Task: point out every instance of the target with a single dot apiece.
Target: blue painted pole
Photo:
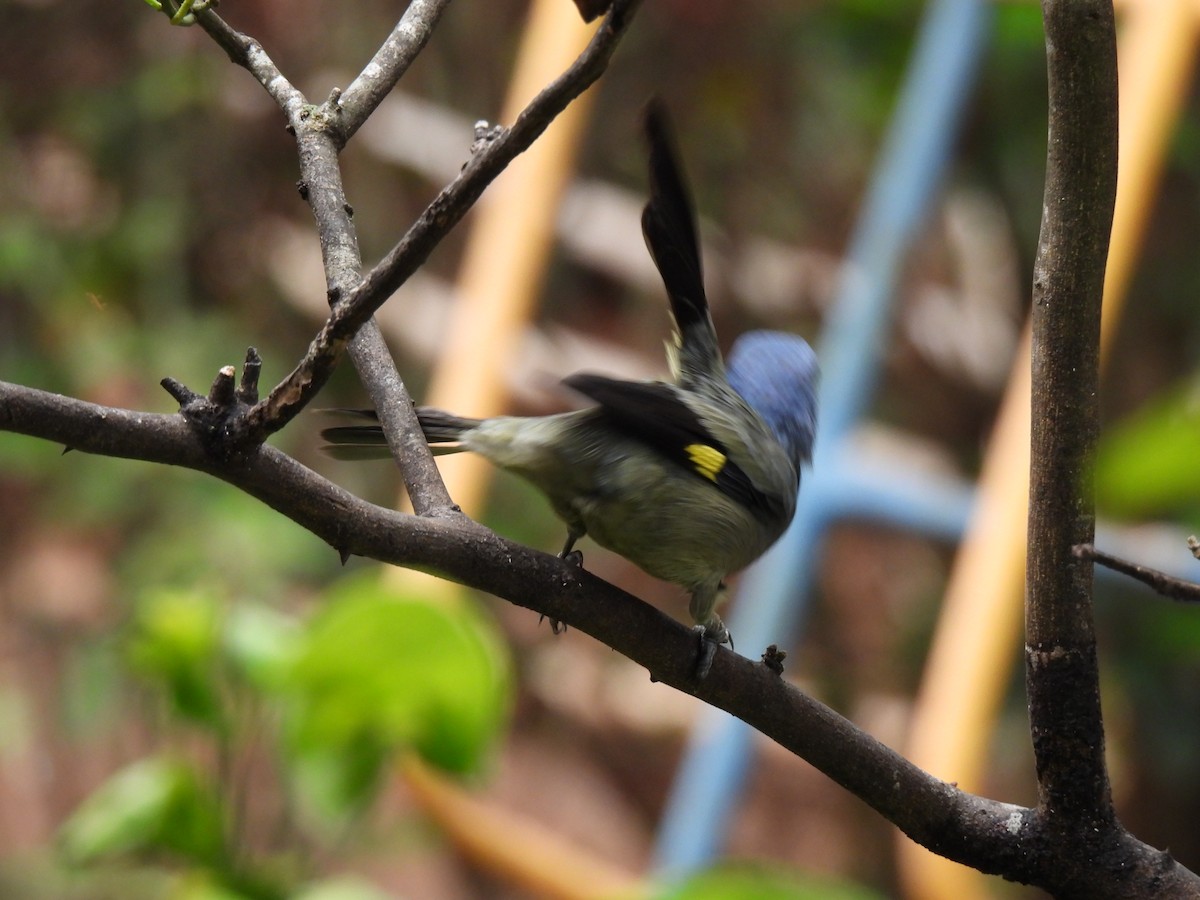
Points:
(949, 46)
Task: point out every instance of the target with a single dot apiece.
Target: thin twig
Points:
(320, 134)
(398, 418)
(1161, 582)
(389, 63)
(447, 209)
(249, 54)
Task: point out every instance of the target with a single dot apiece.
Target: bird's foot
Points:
(571, 558)
(709, 636)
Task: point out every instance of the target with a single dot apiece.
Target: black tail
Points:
(442, 427)
(358, 442)
(669, 226)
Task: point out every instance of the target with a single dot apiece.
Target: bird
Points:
(691, 479)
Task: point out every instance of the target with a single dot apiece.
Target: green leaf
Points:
(263, 644)
(338, 781)
(154, 804)
(174, 642)
(202, 886)
(341, 889)
(1144, 466)
(379, 671)
(736, 881)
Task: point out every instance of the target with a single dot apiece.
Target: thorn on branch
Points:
(591, 9)
(1160, 582)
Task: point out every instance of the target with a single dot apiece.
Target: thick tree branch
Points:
(933, 812)
(1081, 178)
(1088, 852)
(994, 837)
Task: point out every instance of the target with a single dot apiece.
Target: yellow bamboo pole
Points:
(542, 862)
(499, 283)
(976, 642)
(506, 257)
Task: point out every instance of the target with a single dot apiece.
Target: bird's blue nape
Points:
(776, 373)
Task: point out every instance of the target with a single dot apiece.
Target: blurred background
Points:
(198, 700)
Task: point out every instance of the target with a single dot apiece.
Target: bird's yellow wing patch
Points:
(707, 461)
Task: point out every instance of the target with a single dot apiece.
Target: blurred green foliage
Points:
(737, 881)
(1144, 462)
(376, 671)
(174, 643)
(154, 804)
(372, 674)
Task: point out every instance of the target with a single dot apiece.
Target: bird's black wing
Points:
(655, 414)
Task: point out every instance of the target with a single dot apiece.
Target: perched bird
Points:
(690, 480)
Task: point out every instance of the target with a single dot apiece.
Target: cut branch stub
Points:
(219, 418)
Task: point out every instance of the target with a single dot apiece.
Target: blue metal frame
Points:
(950, 43)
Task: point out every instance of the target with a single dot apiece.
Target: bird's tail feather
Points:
(669, 227)
(441, 427)
(359, 442)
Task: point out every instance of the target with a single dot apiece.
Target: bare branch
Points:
(249, 54)
(398, 418)
(933, 812)
(320, 134)
(351, 310)
(1081, 175)
(994, 837)
(1161, 582)
(390, 62)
